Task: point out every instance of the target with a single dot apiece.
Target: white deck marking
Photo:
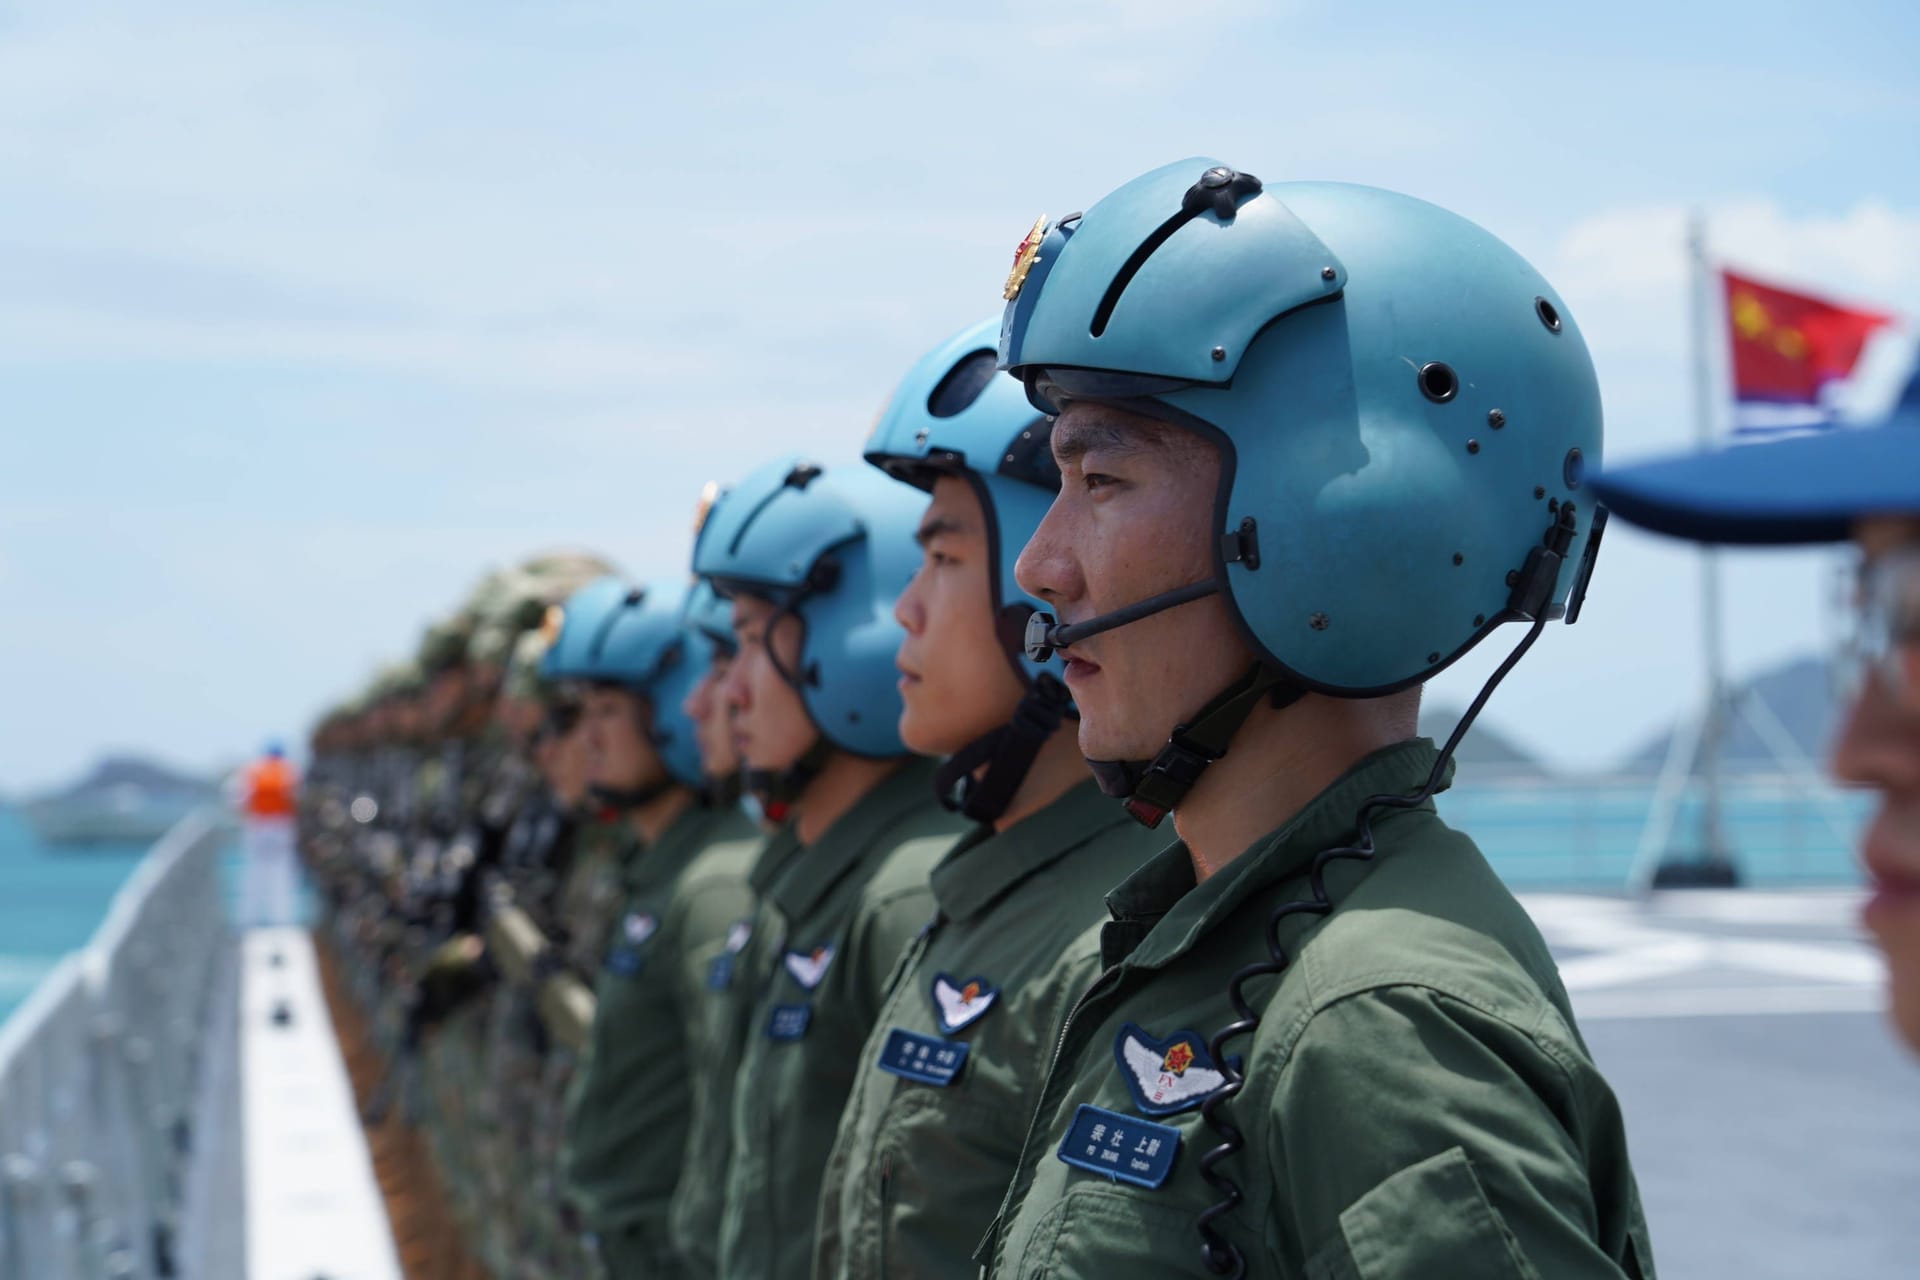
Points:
(1710, 1002)
(1636, 964)
(313, 1208)
(1653, 959)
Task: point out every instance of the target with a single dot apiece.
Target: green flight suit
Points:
(628, 1107)
(727, 1005)
(919, 1166)
(1418, 1101)
(823, 984)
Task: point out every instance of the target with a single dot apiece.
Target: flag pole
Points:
(1712, 862)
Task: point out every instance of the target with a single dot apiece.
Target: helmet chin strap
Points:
(723, 792)
(777, 789)
(1007, 752)
(627, 799)
(1154, 788)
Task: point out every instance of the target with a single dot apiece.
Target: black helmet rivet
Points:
(1473, 446)
(1513, 577)
(1319, 622)
(1479, 619)
(1539, 492)
(1575, 469)
(1328, 273)
(1438, 383)
(1433, 657)
(1549, 316)
(1458, 558)
(1217, 176)
(1219, 353)
(1496, 419)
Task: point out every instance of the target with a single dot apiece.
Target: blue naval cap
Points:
(1807, 489)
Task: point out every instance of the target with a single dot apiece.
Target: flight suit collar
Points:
(663, 860)
(814, 870)
(986, 864)
(1161, 911)
(779, 849)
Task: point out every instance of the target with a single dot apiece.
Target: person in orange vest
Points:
(270, 877)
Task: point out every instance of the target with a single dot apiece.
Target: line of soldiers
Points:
(820, 918)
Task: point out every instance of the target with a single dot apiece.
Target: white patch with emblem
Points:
(1165, 1076)
(807, 968)
(959, 1005)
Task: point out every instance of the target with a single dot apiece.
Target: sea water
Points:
(52, 900)
(1538, 835)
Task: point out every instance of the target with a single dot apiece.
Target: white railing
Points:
(97, 1076)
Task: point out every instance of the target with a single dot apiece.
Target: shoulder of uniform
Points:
(1432, 915)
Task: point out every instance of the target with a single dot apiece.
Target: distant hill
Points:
(121, 800)
(1484, 752)
(151, 776)
(1800, 695)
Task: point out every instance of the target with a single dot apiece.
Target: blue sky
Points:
(309, 313)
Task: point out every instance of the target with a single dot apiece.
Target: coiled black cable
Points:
(1220, 1255)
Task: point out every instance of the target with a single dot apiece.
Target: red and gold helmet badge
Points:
(703, 508)
(1023, 258)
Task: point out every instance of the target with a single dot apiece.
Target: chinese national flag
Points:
(1786, 346)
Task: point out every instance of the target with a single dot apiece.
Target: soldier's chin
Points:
(926, 733)
(1099, 741)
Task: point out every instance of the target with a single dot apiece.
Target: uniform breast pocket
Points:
(1431, 1220)
(1102, 1233)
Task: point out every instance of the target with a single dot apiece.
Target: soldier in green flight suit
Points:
(933, 1129)
(719, 882)
(1316, 441)
(813, 560)
(630, 1103)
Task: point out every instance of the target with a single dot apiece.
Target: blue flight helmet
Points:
(584, 619)
(834, 548)
(711, 614)
(648, 647)
(955, 415)
(1405, 413)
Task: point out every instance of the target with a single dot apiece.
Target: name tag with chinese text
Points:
(1122, 1147)
(921, 1059)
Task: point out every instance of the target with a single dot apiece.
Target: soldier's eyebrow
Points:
(936, 526)
(1074, 439)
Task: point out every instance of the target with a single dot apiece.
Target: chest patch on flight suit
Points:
(922, 1059)
(808, 968)
(960, 1004)
(1166, 1076)
(788, 1021)
(1124, 1148)
(720, 968)
(625, 957)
